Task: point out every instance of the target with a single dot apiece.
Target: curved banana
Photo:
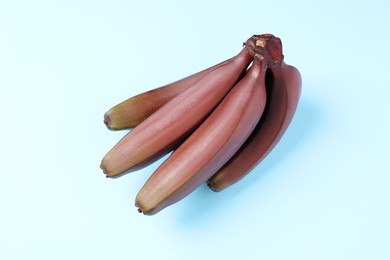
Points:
(161, 131)
(210, 146)
(282, 99)
(134, 110)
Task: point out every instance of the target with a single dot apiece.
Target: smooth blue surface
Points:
(323, 193)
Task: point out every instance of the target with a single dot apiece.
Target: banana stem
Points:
(267, 46)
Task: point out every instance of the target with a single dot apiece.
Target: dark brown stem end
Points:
(267, 46)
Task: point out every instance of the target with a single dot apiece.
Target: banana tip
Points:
(104, 169)
(141, 208)
(141, 211)
(107, 120)
(211, 185)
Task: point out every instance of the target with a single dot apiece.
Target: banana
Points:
(282, 99)
(134, 110)
(220, 122)
(210, 146)
(162, 130)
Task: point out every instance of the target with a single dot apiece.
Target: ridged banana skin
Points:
(282, 100)
(163, 129)
(210, 146)
(134, 110)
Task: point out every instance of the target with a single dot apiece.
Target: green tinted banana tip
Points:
(107, 120)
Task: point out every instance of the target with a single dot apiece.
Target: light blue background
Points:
(323, 193)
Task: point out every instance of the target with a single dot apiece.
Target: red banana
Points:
(134, 110)
(161, 131)
(282, 99)
(210, 146)
(220, 123)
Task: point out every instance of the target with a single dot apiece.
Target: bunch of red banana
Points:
(219, 123)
